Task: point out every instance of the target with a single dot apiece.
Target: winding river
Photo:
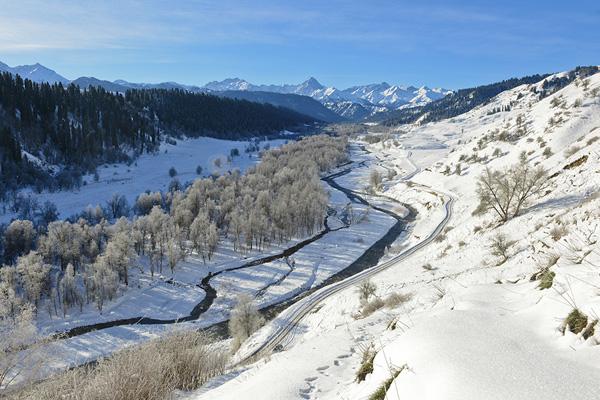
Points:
(368, 259)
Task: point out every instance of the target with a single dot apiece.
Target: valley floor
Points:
(169, 297)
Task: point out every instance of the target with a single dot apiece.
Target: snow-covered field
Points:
(151, 172)
(472, 329)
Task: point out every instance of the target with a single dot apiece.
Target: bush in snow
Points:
(365, 290)
(546, 278)
(366, 363)
(558, 232)
(17, 330)
(499, 246)
(370, 307)
(381, 392)
(375, 181)
(172, 172)
(395, 299)
(152, 371)
(577, 322)
(243, 321)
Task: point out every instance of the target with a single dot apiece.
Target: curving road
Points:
(288, 323)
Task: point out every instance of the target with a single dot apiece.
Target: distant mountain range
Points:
(350, 103)
(331, 105)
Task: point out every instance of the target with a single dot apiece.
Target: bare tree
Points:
(117, 206)
(19, 239)
(507, 192)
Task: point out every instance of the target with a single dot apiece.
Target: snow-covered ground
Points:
(174, 296)
(151, 172)
(472, 329)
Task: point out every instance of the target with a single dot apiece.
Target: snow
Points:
(173, 296)
(473, 330)
(151, 172)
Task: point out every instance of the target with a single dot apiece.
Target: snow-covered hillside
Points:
(473, 320)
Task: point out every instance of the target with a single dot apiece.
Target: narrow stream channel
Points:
(369, 258)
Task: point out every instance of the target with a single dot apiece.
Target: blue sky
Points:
(452, 44)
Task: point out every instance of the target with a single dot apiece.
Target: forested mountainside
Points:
(456, 103)
(50, 135)
(464, 100)
(302, 104)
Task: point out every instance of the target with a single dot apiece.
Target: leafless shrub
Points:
(395, 299)
(365, 290)
(558, 232)
(499, 246)
(428, 267)
(375, 181)
(440, 238)
(371, 306)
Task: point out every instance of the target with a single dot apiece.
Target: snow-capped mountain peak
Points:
(229, 84)
(37, 73)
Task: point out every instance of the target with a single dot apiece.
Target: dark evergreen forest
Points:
(79, 129)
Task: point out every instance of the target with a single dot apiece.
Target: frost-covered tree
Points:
(104, 282)
(119, 254)
(35, 276)
(244, 320)
(70, 294)
(146, 201)
(158, 223)
(62, 244)
(17, 330)
(204, 236)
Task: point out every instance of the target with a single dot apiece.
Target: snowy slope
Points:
(473, 329)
